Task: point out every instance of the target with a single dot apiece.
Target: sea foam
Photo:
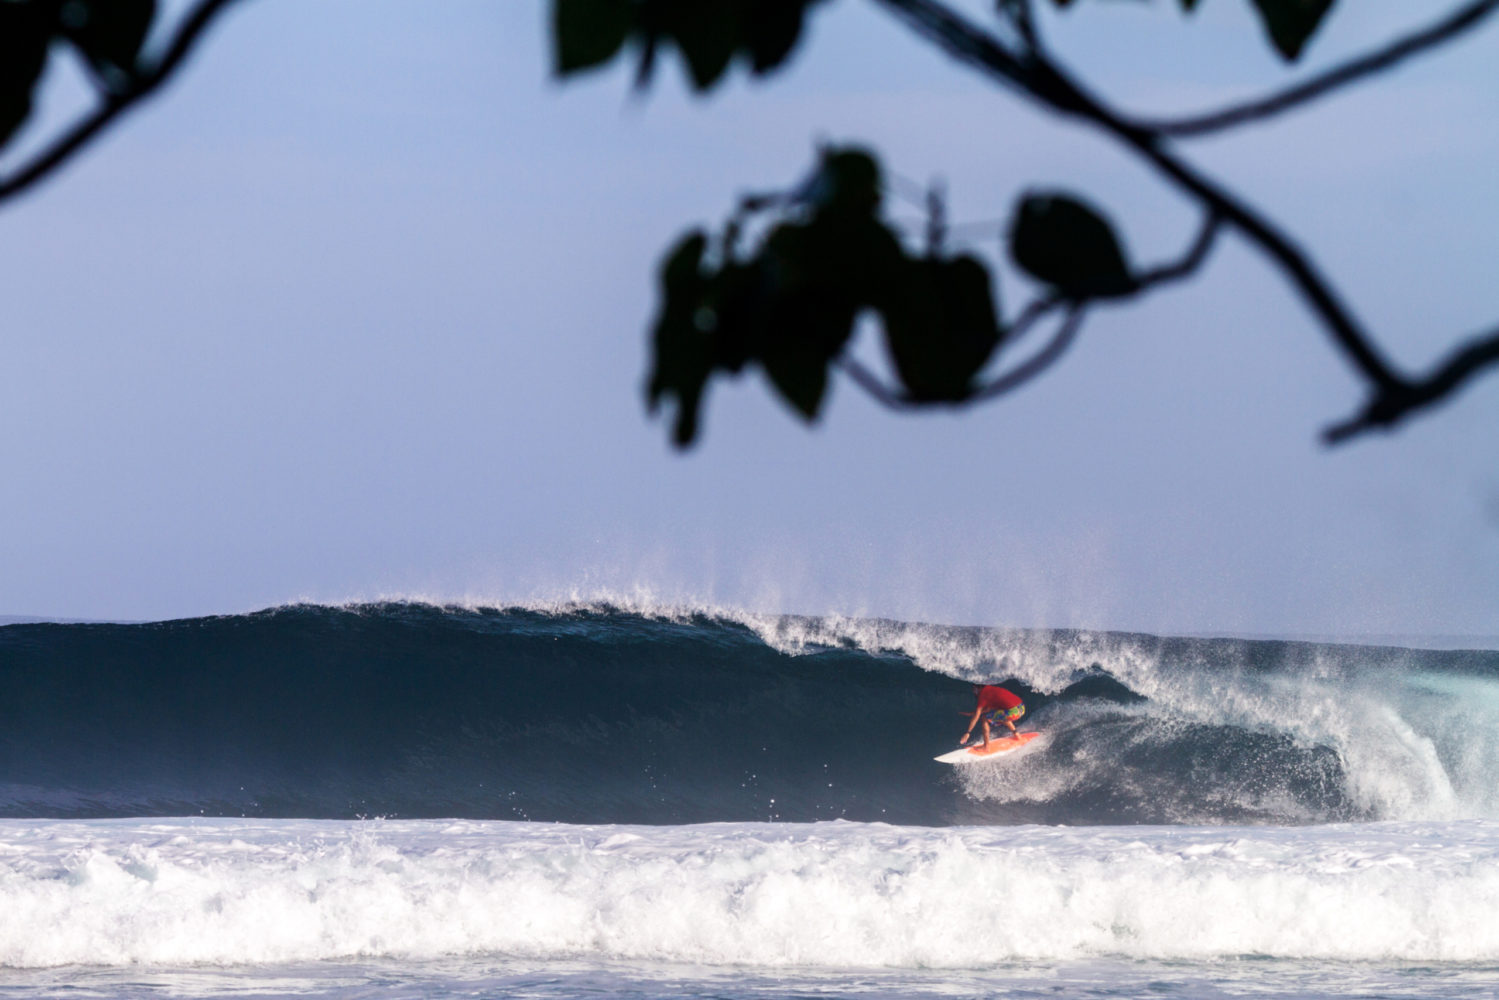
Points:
(110, 892)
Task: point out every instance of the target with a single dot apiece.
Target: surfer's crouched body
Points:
(995, 706)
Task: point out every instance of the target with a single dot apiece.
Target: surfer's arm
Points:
(973, 721)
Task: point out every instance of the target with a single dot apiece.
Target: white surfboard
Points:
(977, 751)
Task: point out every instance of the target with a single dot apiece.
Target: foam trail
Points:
(821, 895)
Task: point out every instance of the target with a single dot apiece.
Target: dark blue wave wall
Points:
(595, 716)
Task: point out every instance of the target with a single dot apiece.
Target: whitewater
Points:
(403, 799)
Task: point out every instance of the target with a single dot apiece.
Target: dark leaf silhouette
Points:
(683, 351)
(798, 370)
(816, 278)
(773, 32)
(941, 327)
(1060, 240)
(846, 184)
(709, 34)
(25, 34)
(588, 33)
(1291, 23)
(791, 306)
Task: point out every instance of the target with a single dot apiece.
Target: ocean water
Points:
(407, 800)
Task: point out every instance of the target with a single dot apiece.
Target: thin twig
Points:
(1388, 408)
(936, 218)
(749, 204)
(903, 187)
(1190, 261)
(957, 37)
(1184, 268)
(897, 399)
(1034, 312)
(1042, 360)
(891, 398)
(1445, 30)
(112, 106)
(1018, 13)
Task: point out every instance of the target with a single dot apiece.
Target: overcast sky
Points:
(358, 309)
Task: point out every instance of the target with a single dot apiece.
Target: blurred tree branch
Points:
(940, 325)
(138, 84)
(1393, 396)
(826, 255)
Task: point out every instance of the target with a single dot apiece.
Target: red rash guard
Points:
(991, 698)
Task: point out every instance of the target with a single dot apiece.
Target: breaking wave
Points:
(597, 714)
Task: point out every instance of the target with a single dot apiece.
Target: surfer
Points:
(995, 705)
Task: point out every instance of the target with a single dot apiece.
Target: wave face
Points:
(601, 715)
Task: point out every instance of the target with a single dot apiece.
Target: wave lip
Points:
(827, 895)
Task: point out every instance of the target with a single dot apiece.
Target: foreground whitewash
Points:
(115, 892)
